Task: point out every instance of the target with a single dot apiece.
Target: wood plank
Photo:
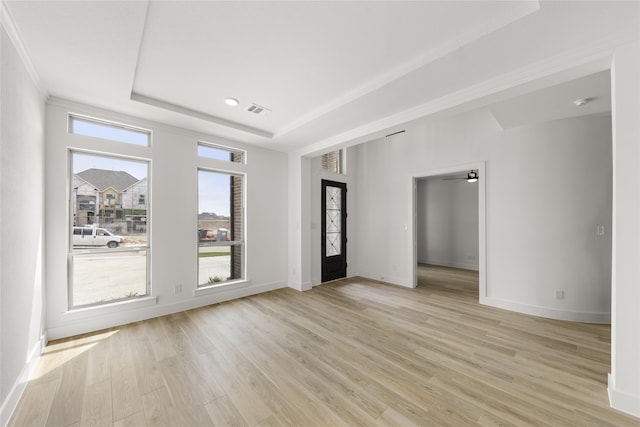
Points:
(352, 352)
(145, 366)
(68, 402)
(224, 413)
(125, 396)
(161, 409)
(99, 367)
(96, 408)
(39, 395)
(134, 420)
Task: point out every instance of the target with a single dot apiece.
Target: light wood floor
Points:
(351, 352)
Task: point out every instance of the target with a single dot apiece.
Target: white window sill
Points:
(88, 312)
(222, 287)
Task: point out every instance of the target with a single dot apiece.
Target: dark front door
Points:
(334, 230)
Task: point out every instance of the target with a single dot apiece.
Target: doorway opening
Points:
(457, 249)
(447, 233)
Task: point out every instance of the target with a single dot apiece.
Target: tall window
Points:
(108, 236)
(220, 227)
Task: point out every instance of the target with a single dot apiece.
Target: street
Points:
(109, 276)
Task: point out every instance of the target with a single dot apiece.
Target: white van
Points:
(89, 236)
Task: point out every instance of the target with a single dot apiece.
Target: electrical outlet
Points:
(600, 230)
(177, 288)
(559, 295)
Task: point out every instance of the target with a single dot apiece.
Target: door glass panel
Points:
(333, 198)
(333, 221)
(333, 214)
(333, 244)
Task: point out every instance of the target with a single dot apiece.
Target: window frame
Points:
(72, 117)
(242, 243)
(73, 252)
(221, 147)
(341, 161)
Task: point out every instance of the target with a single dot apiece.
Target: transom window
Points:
(220, 152)
(333, 162)
(109, 130)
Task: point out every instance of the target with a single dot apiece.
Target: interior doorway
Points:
(447, 233)
(475, 260)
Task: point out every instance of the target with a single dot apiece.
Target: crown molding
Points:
(9, 24)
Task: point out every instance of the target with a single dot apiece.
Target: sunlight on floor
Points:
(58, 353)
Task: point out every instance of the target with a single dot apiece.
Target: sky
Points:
(82, 162)
(213, 188)
(111, 132)
(214, 192)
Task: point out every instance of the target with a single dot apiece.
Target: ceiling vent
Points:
(258, 109)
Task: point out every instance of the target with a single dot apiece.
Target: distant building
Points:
(103, 197)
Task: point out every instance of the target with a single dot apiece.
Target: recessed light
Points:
(232, 102)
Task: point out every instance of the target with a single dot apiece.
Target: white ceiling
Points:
(556, 102)
(300, 59)
(325, 68)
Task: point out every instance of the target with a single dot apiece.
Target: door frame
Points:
(343, 226)
(482, 223)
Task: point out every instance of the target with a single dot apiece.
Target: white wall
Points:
(624, 382)
(447, 222)
(317, 175)
(298, 229)
(21, 226)
(173, 198)
(547, 188)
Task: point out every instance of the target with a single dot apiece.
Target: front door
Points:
(334, 230)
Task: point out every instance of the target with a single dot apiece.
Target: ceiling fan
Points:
(472, 176)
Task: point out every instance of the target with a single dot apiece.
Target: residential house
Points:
(106, 197)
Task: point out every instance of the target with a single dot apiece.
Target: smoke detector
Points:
(258, 109)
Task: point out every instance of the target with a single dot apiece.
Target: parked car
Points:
(90, 236)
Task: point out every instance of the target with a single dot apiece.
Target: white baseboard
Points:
(347, 277)
(453, 264)
(10, 404)
(299, 286)
(122, 317)
(622, 401)
(550, 313)
(392, 280)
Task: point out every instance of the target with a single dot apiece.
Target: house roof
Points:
(103, 179)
